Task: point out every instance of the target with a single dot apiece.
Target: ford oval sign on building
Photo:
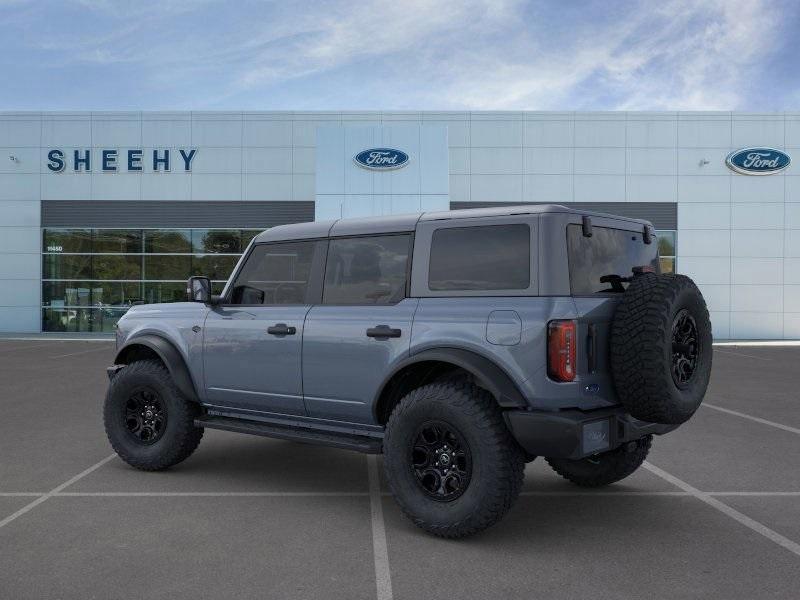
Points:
(757, 161)
(381, 159)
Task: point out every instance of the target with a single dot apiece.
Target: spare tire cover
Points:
(661, 348)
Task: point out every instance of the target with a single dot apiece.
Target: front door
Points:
(362, 326)
(252, 341)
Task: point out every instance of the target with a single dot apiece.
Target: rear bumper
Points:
(576, 434)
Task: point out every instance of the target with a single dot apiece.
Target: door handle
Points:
(383, 331)
(281, 329)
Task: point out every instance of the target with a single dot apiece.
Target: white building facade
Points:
(100, 210)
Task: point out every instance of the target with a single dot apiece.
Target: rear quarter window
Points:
(607, 253)
(485, 257)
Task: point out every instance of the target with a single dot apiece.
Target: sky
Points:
(400, 55)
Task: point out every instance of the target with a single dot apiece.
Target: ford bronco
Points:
(459, 344)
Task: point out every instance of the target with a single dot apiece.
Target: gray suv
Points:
(459, 344)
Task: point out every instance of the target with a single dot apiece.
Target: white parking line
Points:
(599, 493)
(383, 577)
(742, 354)
(19, 348)
(755, 494)
(577, 494)
(762, 343)
(76, 353)
(752, 418)
(734, 514)
(54, 491)
(211, 494)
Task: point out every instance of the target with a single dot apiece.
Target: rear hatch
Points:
(601, 258)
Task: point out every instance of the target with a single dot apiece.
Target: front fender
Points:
(169, 355)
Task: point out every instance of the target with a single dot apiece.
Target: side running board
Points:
(359, 443)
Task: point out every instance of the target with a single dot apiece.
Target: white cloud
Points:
(343, 34)
(686, 55)
(468, 54)
(707, 66)
(682, 55)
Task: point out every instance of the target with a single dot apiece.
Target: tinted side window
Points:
(275, 274)
(608, 253)
(366, 270)
(490, 257)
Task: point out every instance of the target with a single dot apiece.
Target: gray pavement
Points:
(717, 514)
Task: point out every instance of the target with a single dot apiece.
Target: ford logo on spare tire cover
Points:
(381, 159)
(758, 161)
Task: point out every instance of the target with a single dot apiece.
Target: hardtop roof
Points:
(408, 222)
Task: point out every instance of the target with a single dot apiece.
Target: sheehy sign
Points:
(112, 160)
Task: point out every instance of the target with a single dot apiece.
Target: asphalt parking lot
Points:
(715, 513)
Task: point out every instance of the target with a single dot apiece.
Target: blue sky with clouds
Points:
(467, 54)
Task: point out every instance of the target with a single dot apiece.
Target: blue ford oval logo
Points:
(381, 159)
(758, 161)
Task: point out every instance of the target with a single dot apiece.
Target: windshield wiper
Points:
(616, 281)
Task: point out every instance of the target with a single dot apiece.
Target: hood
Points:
(166, 309)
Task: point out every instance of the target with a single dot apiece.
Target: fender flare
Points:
(169, 355)
(489, 375)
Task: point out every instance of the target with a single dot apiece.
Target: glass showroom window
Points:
(666, 250)
(90, 277)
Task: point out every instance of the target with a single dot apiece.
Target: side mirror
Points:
(198, 289)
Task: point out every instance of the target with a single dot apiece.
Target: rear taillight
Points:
(561, 350)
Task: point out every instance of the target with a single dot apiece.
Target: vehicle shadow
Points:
(226, 462)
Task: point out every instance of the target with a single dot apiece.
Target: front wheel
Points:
(450, 462)
(148, 421)
(606, 468)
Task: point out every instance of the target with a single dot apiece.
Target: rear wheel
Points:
(148, 421)
(603, 469)
(450, 461)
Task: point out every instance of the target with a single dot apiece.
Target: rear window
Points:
(489, 257)
(608, 253)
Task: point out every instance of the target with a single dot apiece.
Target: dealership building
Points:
(99, 210)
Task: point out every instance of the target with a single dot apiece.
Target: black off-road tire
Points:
(644, 350)
(497, 461)
(605, 468)
(179, 437)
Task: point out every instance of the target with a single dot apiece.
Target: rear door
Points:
(253, 341)
(362, 326)
(597, 263)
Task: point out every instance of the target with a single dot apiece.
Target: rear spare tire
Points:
(661, 348)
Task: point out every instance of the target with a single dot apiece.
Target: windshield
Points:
(604, 262)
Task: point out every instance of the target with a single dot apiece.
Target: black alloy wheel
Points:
(149, 422)
(145, 416)
(660, 348)
(441, 461)
(685, 348)
(450, 461)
